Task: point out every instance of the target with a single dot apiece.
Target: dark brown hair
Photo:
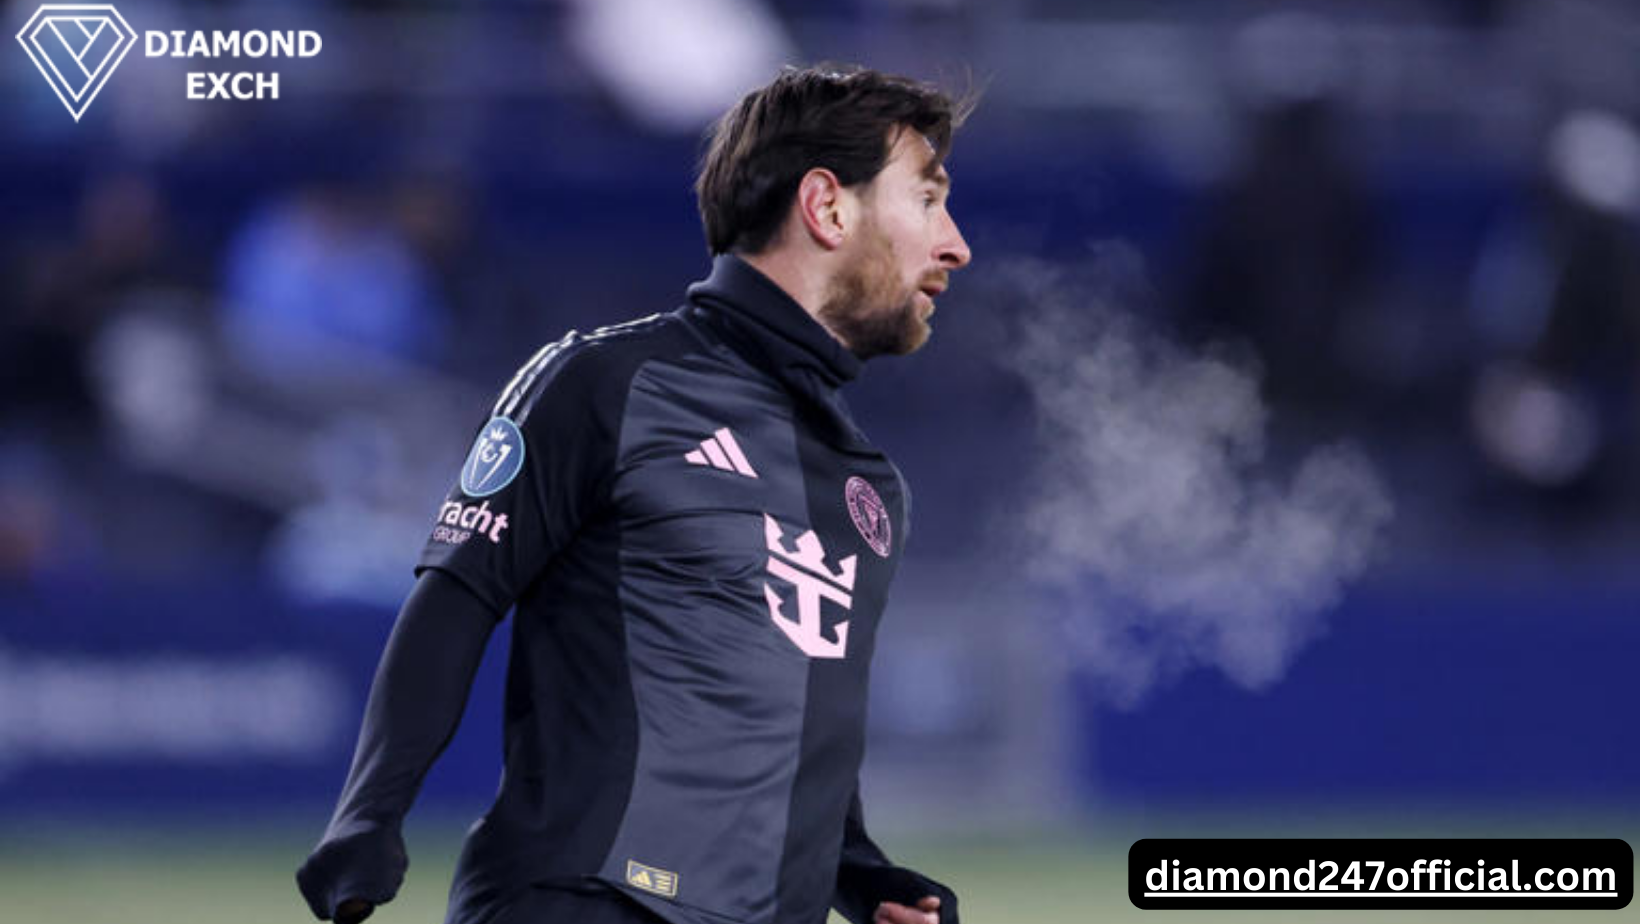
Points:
(839, 117)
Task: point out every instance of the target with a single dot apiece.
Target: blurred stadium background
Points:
(243, 346)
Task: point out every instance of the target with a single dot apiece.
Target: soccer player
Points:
(699, 542)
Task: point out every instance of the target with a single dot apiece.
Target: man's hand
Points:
(926, 912)
(344, 879)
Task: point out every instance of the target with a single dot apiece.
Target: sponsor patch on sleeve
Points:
(459, 522)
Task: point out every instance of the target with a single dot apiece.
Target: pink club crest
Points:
(869, 515)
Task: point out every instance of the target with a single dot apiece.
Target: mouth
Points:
(931, 291)
(931, 287)
(927, 302)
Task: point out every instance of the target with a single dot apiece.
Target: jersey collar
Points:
(774, 322)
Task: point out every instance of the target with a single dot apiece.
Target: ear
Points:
(826, 208)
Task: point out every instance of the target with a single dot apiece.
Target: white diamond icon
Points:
(77, 47)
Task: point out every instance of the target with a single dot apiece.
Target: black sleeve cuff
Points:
(369, 865)
(860, 889)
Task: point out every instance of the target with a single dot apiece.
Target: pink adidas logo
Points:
(721, 451)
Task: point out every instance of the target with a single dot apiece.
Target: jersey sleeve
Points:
(416, 701)
(538, 467)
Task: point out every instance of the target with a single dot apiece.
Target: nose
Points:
(952, 251)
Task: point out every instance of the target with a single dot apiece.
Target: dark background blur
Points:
(244, 346)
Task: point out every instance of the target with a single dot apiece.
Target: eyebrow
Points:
(937, 174)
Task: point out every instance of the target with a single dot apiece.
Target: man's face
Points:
(901, 257)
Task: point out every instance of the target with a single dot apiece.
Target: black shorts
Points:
(592, 905)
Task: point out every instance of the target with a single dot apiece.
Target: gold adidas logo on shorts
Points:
(651, 879)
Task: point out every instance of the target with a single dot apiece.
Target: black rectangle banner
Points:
(1381, 873)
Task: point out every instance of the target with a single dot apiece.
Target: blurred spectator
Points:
(474, 271)
(321, 281)
(56, 449)
(1289, 252)
(68, 292)
(1556, 299)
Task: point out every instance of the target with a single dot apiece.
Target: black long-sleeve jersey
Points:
(699, 543)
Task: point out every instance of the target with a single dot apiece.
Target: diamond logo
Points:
(77, 47)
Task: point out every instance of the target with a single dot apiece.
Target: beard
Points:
(870, 309)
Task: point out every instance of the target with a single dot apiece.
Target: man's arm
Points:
(870, 888)
(416, 702)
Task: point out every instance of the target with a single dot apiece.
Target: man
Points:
(699, 543)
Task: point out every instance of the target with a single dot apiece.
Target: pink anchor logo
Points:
(805, 567)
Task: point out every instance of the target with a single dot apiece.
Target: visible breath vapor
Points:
(1154, 510)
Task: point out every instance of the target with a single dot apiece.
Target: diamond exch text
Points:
(251, 44)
